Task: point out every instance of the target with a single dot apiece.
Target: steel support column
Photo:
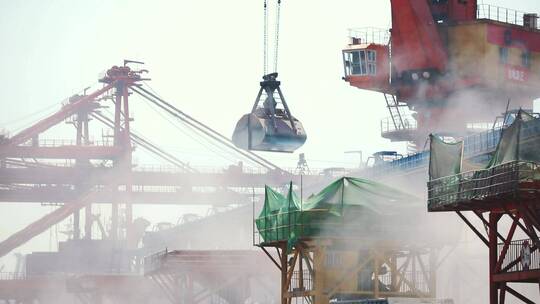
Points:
(492, 239)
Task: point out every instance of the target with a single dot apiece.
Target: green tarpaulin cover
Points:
(509, 145)
(447, 186)
(445, 158)
(346, 206)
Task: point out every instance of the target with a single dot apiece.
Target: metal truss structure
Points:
(74, 175)
(320, 270)
(104, 172)
(211, 276)
(508, 193)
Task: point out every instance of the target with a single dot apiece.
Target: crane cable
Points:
(276, 46)
(276, 36)
(147, 145)
(265, 60)
(211, 133)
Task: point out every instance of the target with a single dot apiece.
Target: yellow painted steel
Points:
(472, 56)
(331, 270)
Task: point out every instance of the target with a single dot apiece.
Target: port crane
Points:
(446, 65)
(453, 64)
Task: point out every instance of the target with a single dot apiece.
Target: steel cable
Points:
(202, 128)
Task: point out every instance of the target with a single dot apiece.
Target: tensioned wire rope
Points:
(147, 145)
(207, 131)
(221, 152)
(276, 37)
(191, 136)
(191, 124)
(46, 111)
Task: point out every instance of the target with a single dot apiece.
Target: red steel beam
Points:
(416, 43)
(480, 236)
(516, 261)
(62, 152)
(59, 194)
(517, 276)
(492, 244)
(506, 245)
(62, 175)
(44, 223)
(31, 286)
(43, 125)
(39, 226)
(519, 295)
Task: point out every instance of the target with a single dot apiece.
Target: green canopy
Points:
(515, 151)
(509, 147)
(346, 207)
(445, 158)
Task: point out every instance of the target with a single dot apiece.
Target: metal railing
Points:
(501, 14)
(523, 251)
(370, 35)
(416, 278)
(360, 301)
(388, 125)
(12, 276)
(385, 301)
(484, 132)
(482, 126)
(56, 142)
(306, 279)
(482, 142)
(157, 168)
(473, 145)
(154, 262)
(479, 185)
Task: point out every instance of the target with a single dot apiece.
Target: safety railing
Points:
(388, 124)
(154, 262)
(385, 301)
(155, 189)
(12, 276)
(473, 145)
(482, 142)
(410, 162)
(478, 185)
(501, 14)
(55, 142)
(417, 282)
(370, 35)
(360, 301)
(522, 255)
(157, 168)
(482, 126)
(301, 283)
(216, 299)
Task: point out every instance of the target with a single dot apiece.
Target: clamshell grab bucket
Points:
(270, 126)
(255, 132)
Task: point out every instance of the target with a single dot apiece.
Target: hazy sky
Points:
(205, 56)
